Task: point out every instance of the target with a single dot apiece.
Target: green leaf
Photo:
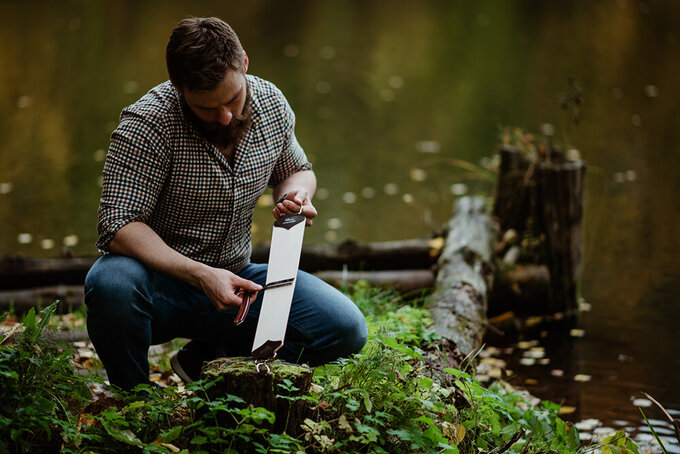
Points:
(172, 434)
(124, 435)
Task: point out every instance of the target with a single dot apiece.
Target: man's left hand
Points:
(295, 202)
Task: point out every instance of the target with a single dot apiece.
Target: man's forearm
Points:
(304, 179)
(139, 241)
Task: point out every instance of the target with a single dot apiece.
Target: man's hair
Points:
(200, 51)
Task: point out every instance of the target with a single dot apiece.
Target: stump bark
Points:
(542, 198)
(458, 305)
(261, 388)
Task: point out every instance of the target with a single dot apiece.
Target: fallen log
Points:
(18, 272)
(71, 297)
(403, 281)
(458, 304)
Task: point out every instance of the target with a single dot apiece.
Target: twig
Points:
(531, 435)
(509, 444)
(673, 421)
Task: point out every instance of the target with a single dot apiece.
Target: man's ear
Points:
(245, 61)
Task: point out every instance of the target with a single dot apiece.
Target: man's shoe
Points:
(186, 364)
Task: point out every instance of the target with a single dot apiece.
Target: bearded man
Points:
(184, 171)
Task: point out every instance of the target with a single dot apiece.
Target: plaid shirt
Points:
(159, 170)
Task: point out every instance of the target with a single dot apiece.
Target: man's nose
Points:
(224, 116)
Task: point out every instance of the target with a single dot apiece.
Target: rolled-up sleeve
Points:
(136, 167)
(292, 158)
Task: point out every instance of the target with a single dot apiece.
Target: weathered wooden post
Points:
(542, 197)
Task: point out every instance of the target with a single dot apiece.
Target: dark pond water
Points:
(386, 94)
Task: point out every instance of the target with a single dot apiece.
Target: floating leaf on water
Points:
(547, 129)
(334, 223)
(639, 402)
(323, 87)
(652, 91)
(587, 424)
(459, 189)
(418, 174)
(6, 187)
(533, 321)
(395, 81)
(391, 189)
(557, 373)
(577, 332)
(407, 198)
(24, 102)
(47, 243)
(99, 155)
(582, 378)
(527, 361)
(131, 87)
(349, 197)
(368, 192)
(70, 240)
(524, 345)
(534, 352)
(428, 146)
(322, 194)
(584, 306)
(327, 52)
(387, 94)
(604, 431)
(291, 50)
(573, 155)
(24, 238)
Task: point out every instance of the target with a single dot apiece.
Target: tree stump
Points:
(560, 190)
(542, 198)
(259, 385)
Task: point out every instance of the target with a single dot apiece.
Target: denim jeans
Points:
(130, 307)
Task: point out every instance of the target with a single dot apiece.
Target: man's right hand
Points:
(220, 286)
(139, 241)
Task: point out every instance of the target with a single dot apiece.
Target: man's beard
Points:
(224, 136)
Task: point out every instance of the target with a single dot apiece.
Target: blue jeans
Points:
(130, 307)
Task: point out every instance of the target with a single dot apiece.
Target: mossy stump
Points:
(260, 386)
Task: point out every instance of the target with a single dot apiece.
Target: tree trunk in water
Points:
(458, 305)
(542, 200)
(560, 201)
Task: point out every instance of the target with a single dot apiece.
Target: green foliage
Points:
(39, 391)
(384, 399)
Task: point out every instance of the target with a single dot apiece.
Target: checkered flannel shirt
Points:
(159, 170)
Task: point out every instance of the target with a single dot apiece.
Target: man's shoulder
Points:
(264, 92)
(159, 105)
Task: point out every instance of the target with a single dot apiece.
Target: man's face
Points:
(223, 113)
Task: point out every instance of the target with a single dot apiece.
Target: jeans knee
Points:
(113, 285)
